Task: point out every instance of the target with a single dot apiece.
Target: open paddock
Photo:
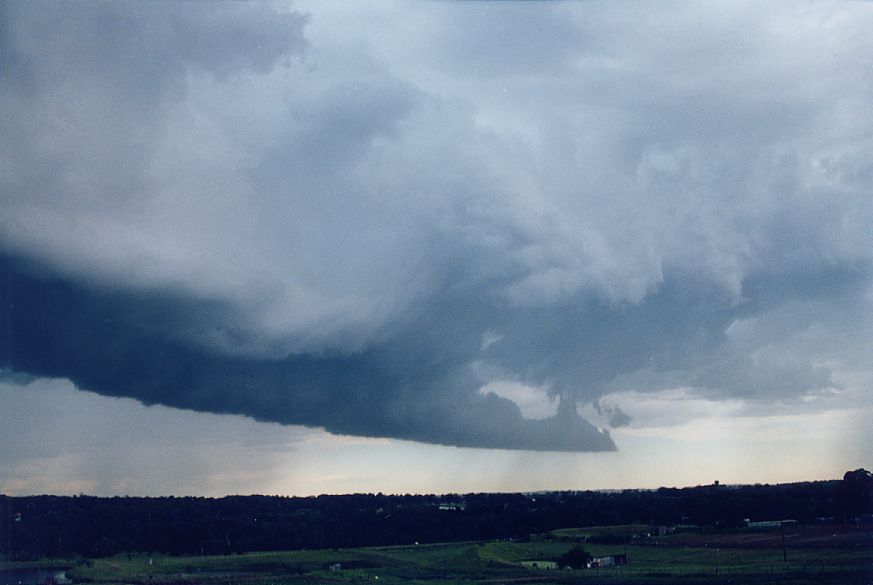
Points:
(841, 559)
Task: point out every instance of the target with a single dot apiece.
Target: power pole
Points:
(784, 551)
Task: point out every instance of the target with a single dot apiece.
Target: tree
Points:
(575, 558)
(857, 488)
(859, 477)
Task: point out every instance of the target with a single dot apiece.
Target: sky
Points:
(431, 247)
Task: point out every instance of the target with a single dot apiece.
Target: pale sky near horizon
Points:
(85, 443)
(430, 247)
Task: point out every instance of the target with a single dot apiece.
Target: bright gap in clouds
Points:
(535, 403)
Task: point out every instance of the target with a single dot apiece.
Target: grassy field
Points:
(660, 560)
(59, 564)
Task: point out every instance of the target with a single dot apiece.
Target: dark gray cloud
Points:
(205, 209)
(615, 415)
(410, 386)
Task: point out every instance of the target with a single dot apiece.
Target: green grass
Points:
(59, 564)
(491, 562)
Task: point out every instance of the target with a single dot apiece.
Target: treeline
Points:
(59, 526)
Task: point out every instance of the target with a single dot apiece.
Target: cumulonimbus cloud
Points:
(204, 210)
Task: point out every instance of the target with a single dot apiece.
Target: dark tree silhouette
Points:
(59, 526)
(575, 558)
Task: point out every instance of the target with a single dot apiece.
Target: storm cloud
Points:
(212, 207)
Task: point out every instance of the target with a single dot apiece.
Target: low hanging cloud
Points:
(206, 209)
